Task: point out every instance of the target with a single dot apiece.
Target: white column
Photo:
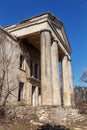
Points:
(55, 74)
(65, 82)
(29, 93)
(71, 84)
(46, 68)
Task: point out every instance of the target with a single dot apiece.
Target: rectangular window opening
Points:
(36, 71)
(20, 92)
(22, 62)
(39, 91)
(31, 68)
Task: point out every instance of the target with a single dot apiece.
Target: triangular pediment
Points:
(63, 36)
(59, 27)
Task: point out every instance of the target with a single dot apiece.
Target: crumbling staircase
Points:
(75, 118)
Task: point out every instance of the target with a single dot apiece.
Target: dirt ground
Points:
(26, 125)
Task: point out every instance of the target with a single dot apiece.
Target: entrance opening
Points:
(33, 95)
(20, 92)
(39, 94)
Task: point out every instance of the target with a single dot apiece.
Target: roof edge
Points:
(13, 37)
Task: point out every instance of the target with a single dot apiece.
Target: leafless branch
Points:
(84, 76)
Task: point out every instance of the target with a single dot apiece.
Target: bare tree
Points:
(8, 65)
(84, 77)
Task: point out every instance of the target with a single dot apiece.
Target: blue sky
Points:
(73, 13)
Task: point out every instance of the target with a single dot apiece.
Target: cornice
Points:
(47, 17)
(34, 20)
(11, 36)
(28, 22)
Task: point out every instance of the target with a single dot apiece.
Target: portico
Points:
(49, 46)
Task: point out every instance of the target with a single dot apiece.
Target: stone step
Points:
(74, 115)
(75, 118)
(79, 119)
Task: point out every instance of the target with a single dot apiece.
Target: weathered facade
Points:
(40, 45)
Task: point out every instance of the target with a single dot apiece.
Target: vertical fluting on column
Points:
(46, 68)
(55, 74)
(65, 82)
(71, 84)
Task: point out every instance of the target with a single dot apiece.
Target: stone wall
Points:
(9, 67)
(12, 49)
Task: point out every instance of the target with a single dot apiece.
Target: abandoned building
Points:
(38, 60)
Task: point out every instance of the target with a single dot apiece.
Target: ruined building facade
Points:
(34, 49)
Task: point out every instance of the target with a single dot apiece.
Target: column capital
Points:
(55, 41)
(67, 57)
(45, 30)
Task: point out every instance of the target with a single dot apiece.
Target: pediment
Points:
(60, 30)
(63, 36)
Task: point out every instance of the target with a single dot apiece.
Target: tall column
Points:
(71, 83)
(65, 82)
(55, 74)
(46, 68)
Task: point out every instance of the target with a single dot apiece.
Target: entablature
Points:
(36, 24)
